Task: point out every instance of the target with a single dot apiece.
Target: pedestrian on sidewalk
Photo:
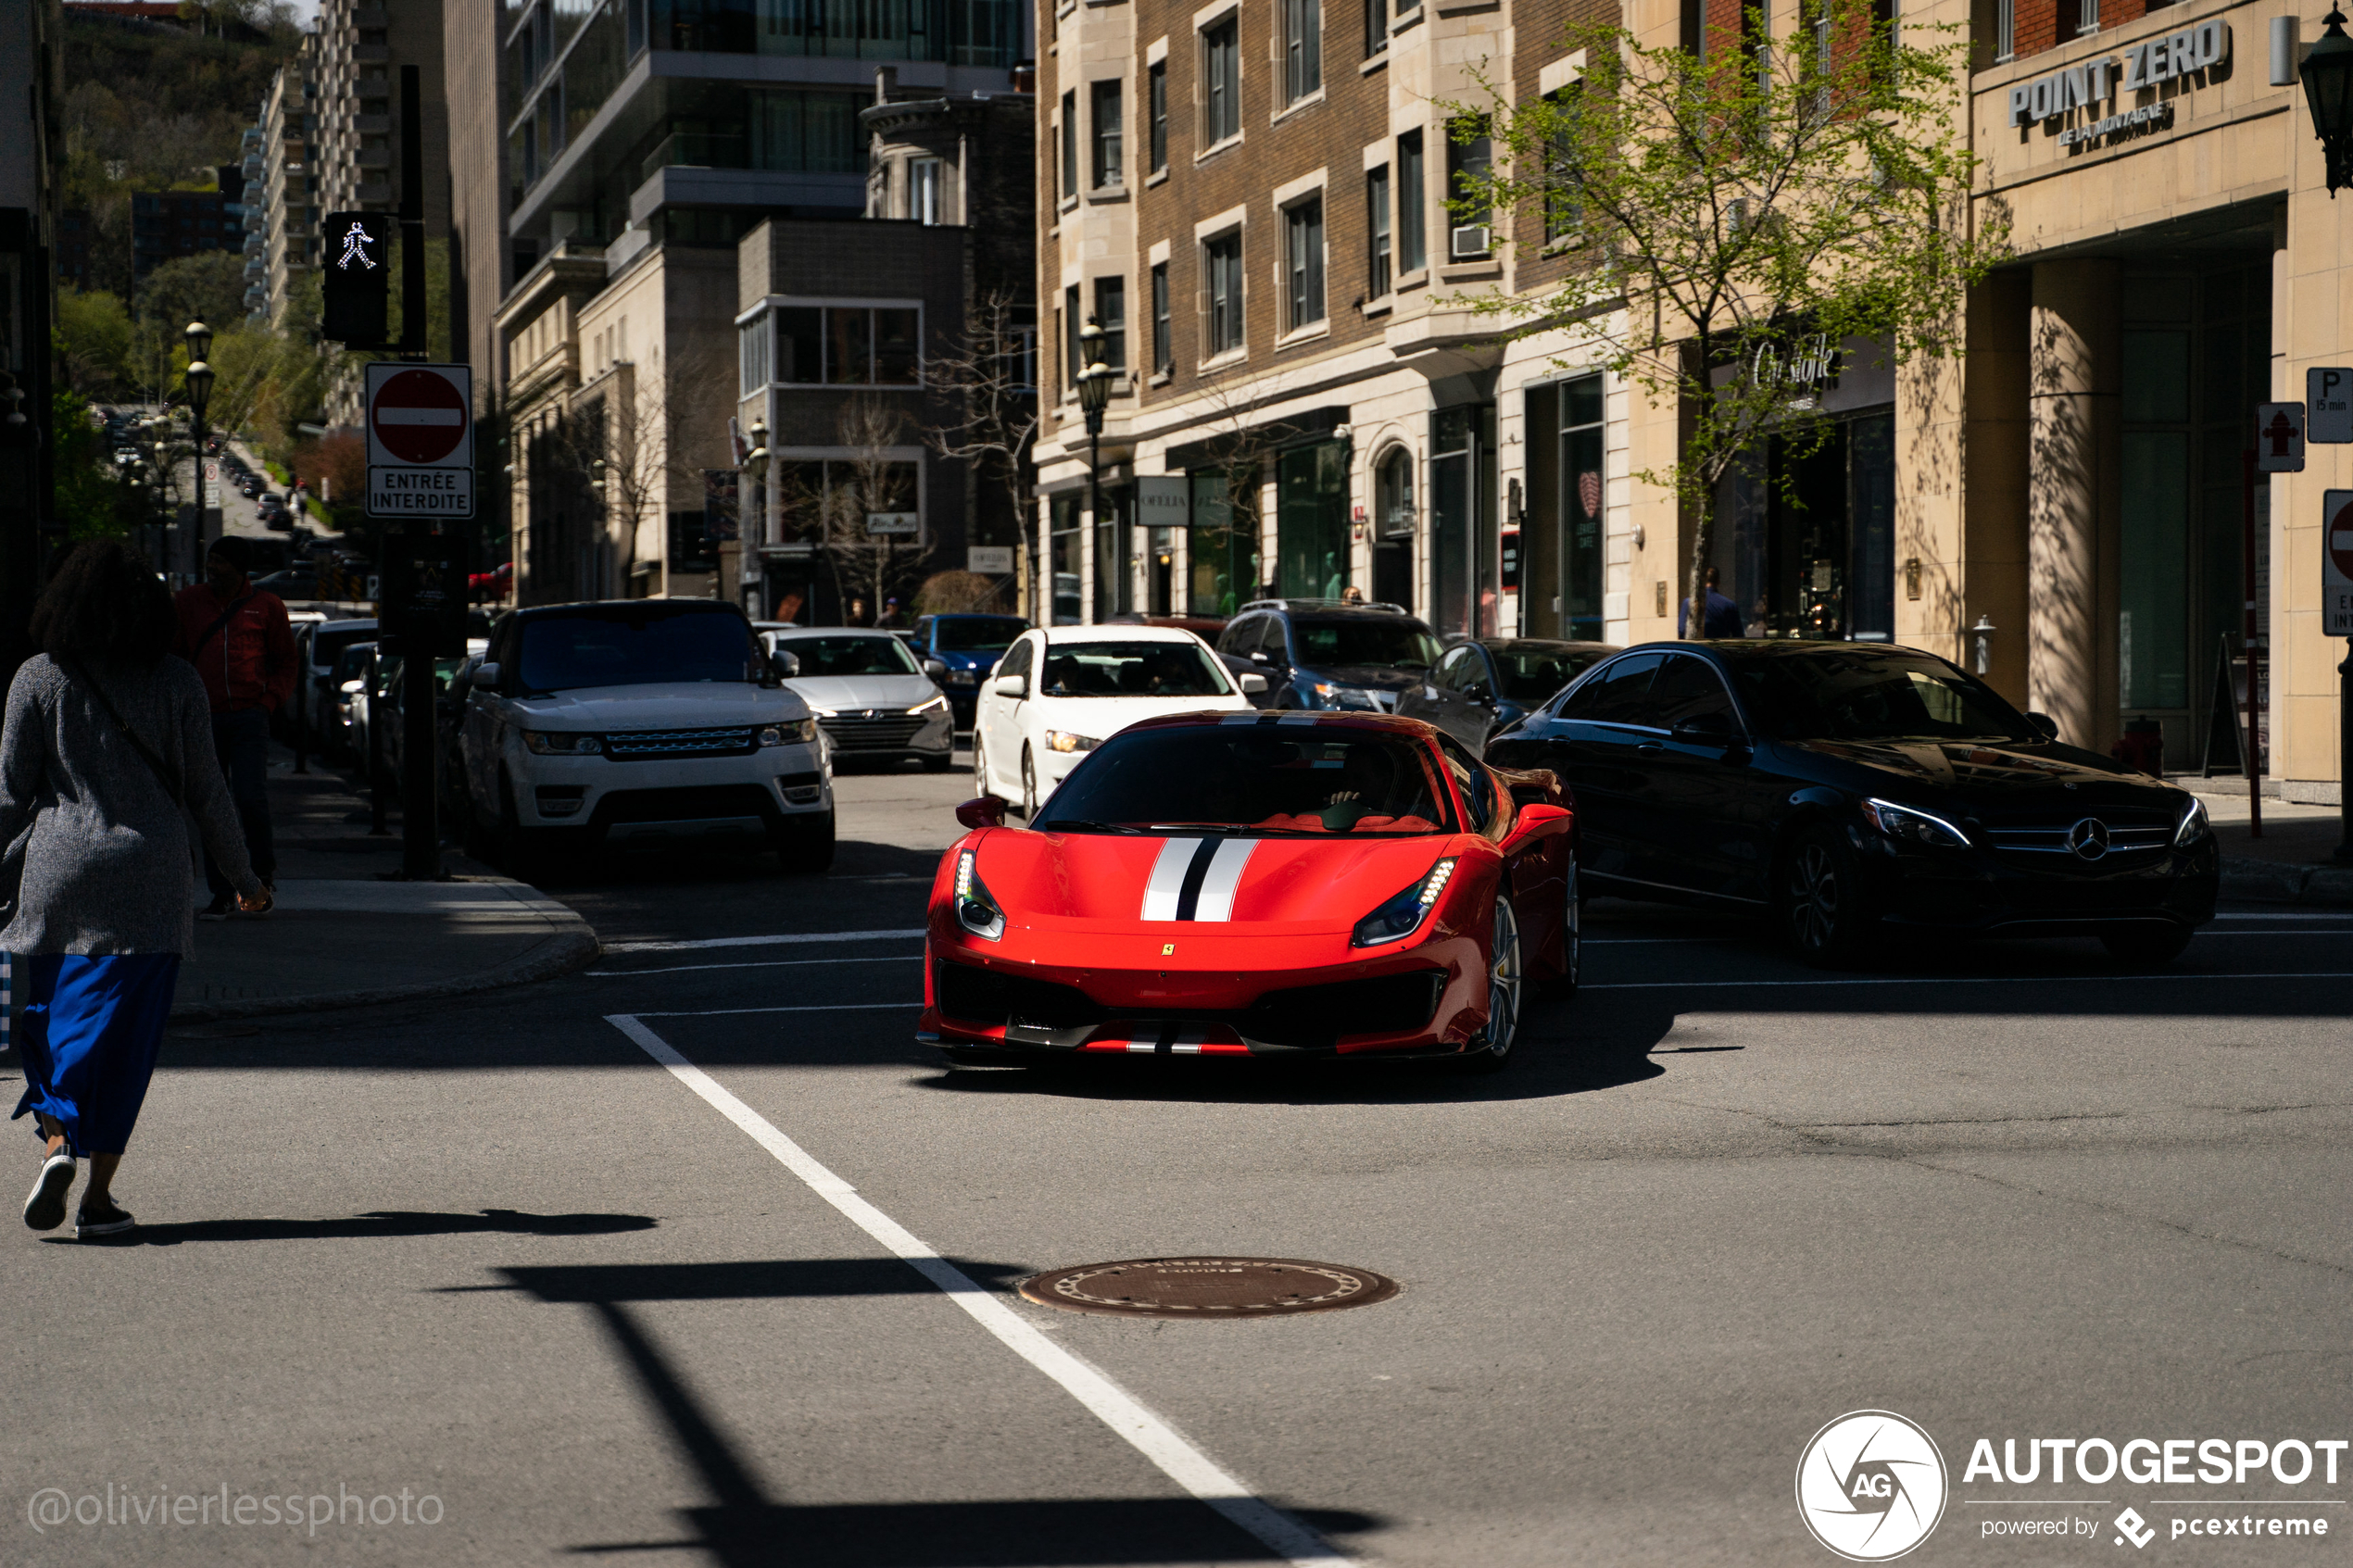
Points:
(238, 638)
(1719, 617)
(105, 756)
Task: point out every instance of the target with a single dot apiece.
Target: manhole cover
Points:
(1208, 1287)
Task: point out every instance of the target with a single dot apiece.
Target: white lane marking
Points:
(1106, 1400)
(818, 1006)
(1167, 884)
(765, 963)
(763, 941)
(1956, 979)
(1224, 875)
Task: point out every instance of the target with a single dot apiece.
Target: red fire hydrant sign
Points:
(2337, 564)
(2279, 438)
(421, 442)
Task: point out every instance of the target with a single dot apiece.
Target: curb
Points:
(2272, 882)
(568, 949)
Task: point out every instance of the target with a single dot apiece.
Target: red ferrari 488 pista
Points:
(1258, 884)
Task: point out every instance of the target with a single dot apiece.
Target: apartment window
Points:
(1164, 348)
(841, 346)
(1304, 261)
(1070, 145)
(926, 188)
(1110, 314)
(1222, 72)
(1156, 111)
(2004, 30)
(1413, 240)
(1304, 49)
(1074, 353)
(1105, 108)
(1467, 161)
(1564, 207)
(1375, 26)
(1222, 265)
(752, 356)
(1377, 223)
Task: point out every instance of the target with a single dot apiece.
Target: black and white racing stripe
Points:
(1195, 878)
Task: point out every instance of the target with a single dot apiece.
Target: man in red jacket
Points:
(237, 637)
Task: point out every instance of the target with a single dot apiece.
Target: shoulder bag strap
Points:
(214, 629)
(147, 754)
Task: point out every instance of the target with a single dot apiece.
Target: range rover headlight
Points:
(557, 743)
(1403, 915)
(791, 731)
(976, 910)
(1912, 825)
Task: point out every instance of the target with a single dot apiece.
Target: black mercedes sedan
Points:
(1481, 685)
(1851, 790)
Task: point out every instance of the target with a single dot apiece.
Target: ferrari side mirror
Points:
(986, 812)
(1532, 821)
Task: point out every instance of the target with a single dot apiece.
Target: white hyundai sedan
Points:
(1061, 691)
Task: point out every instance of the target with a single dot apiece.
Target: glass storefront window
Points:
(1065, 546)
(1114, 592)
(2153, 617)
(1222, 549)
(1310, 521)
(1465, 595)
(1804, 540)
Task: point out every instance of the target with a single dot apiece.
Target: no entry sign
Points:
(421, 441)
(2337, 564)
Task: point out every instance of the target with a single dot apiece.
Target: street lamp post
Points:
(199, 383)
(749, 539)
(1094, 394)
(2327, 72)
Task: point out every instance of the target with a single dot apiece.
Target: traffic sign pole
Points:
(2253, 641)
(2336, 620)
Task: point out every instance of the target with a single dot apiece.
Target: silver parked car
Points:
(869, 695)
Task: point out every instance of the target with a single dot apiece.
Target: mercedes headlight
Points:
(550, 743)
(937, 705)
(1910, 825)
(1403, 915)
(2196, 827)
(976, 909)
(1062, 740)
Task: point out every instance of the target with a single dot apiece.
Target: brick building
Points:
(1250, 196)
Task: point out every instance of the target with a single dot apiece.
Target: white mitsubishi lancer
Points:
(1061, 691)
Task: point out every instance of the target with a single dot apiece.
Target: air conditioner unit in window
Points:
(1471, 240)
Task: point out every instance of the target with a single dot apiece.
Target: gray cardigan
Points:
(106, 860)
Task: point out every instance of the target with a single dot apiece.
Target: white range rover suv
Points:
(640, 724)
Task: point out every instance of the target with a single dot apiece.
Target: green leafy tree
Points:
(92, 336)
(1726, 212)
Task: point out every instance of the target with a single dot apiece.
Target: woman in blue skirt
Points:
(106, 759)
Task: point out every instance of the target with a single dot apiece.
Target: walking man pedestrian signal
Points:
(356, 286)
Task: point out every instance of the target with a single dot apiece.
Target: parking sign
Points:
(2328, 399)
(2337, 564)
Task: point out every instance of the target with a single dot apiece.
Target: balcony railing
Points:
(691, 149)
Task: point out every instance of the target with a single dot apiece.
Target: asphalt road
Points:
(605, 1267)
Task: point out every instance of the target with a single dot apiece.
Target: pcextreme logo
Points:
(1870, 1486)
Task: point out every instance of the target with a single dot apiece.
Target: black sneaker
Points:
(110, 1219)
(45, 1209)
(220, 908)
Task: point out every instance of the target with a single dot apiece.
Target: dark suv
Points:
(965, 647)
(1322, 654)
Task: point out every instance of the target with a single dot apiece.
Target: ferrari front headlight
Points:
(1403, 915)
(976, 910)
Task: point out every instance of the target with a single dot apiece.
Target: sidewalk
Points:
(2291, 863)
(344, 934)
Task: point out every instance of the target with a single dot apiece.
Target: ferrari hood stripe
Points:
(1194, 879)
(1167, 882)
(1225, 874)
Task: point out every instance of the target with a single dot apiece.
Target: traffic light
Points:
(357, 284)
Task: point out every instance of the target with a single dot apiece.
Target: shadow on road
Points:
(490, 1222)
(742, 1525)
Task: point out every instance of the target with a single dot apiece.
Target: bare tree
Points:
(992, 369)
(872, 481)
(1245, 446)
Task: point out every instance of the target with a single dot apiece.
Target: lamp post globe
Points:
(2327, 72)
(200, 379)
(199, 342)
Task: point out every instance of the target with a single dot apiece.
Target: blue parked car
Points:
(1322, 654)
(965, 648)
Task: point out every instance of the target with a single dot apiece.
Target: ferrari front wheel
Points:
(1506, 978)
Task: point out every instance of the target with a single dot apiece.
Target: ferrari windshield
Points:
(1131, 669)
(1255, 779)
(1875, 694)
